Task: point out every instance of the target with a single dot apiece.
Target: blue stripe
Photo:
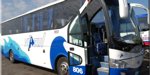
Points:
(57, 49)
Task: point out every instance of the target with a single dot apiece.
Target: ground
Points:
(23, 69)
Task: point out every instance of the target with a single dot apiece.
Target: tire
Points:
(62, 66)
(11, 57)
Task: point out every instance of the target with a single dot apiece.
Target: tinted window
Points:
(17, 25)
(29, 23)
(63, 12)
(24, 23)
(51, 17)
(12, 27)
(47, 18)
(75, 35)
(36, 22)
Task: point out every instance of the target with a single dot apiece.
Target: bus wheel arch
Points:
(61, 61)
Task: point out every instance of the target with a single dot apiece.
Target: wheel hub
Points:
(64, 68)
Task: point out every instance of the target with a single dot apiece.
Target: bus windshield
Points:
(125, 30)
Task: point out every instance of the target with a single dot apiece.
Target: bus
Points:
(73, 40)
(144, 28)
(144, 25)
(144, 21)
(33, 37)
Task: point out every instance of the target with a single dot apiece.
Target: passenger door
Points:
(77, 47)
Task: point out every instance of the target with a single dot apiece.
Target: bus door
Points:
(77, 55)
(99, 28)
(84, 55)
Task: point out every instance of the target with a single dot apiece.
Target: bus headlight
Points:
(118, 64)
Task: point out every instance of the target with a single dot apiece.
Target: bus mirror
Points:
(123, 8)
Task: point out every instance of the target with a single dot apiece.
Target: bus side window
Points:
(12, 27)
(17, 25)
(50, 18)
(57, 17)
(36, 22)
(47, 19)
(10, 31)
(63, 13)
(29, 23)
(4, 28)
(24, 23)
(33, 15)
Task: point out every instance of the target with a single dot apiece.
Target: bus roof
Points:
(34, 10)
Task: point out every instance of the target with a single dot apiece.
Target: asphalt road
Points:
(19, 68)
(25, 69)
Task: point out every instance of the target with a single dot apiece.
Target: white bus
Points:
(145, 31)
(61, 38)
(143, 23)
(144, 27)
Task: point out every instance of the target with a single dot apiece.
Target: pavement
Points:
(20, 68)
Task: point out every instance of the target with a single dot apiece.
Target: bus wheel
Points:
(62, 66)
(11, 57)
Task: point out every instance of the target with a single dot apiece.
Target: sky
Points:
(12, 8)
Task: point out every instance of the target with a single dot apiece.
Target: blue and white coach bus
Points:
(144, 26)
(73, 41)
(145, 30)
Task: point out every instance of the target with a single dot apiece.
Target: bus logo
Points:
(31, 43)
